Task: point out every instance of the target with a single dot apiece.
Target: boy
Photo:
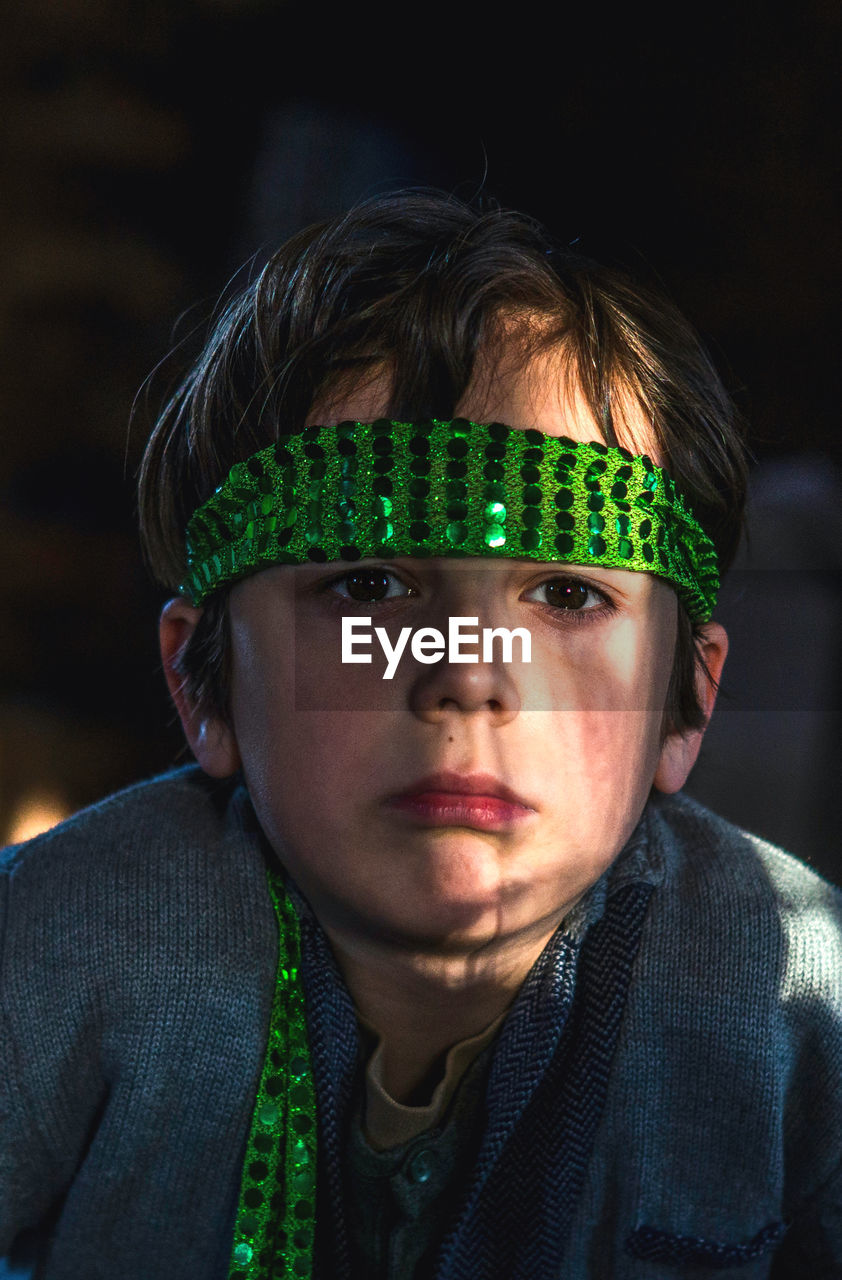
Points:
(426, 970)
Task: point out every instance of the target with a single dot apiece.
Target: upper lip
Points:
(466, 784)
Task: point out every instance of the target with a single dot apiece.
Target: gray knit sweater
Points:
(664, 1096)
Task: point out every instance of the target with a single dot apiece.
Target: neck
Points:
(421, 1003)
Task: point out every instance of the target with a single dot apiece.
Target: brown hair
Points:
(415, 283)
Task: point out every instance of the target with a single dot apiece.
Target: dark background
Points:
(148, 150)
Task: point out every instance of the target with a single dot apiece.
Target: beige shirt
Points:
(387, 1123)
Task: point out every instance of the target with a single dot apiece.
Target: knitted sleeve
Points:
(50, 1078)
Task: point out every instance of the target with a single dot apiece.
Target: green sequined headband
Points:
(389, 489)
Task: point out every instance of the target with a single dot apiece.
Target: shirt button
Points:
(420, 1167)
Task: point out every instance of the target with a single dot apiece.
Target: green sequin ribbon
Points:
(275, 1224)
(387, 489)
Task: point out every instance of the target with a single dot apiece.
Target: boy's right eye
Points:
(369, 586)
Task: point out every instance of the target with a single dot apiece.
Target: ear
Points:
(679, 751)
(211, 739)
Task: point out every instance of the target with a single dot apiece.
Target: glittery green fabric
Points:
(388, 489)
(275, 1225)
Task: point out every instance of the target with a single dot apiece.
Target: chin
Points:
(458, 912)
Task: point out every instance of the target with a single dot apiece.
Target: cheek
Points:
(590, 669)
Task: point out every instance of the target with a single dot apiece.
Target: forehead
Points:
(512, 383)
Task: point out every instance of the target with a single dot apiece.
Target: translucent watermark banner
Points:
(550, 638)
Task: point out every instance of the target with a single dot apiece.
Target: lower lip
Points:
(447, 809)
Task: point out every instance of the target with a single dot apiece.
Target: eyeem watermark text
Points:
(429, 645)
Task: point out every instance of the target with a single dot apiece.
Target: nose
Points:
(455, 688)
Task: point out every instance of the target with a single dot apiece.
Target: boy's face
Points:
(364, 798)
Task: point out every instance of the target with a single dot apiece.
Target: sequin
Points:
(531, 517)
(563, 544)
(564, 499)
(530, 539)
(596, 546)
(494, 471)
(625, 548)
(495, 511)
(531, 494)
(268, 1114)
(495, 535)
(565, 520)
(596, 524)
(298, 1095)
(457, 532)
(530, 473)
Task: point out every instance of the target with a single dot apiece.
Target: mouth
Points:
(477, 800)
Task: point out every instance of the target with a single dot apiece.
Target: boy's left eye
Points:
(369, 586)
(569, 594)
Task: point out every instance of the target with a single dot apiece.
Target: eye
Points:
(571, 595)
(369, 586)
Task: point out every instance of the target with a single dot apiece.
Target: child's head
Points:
(413, 308)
